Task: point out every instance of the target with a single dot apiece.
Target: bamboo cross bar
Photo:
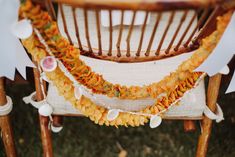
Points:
(151, 5)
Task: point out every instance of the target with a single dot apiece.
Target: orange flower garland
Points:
(182, 77)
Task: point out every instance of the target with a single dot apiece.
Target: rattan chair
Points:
(132, 44)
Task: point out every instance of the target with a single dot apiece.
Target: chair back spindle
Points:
(166, 30)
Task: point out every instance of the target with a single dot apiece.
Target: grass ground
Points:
(81, 137)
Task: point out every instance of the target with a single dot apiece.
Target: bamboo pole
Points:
(5, 125)
(212, 94)
(189, 126)
(150, 5)
(44, 121)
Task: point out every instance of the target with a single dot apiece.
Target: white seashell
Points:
(48, 64)
(56, 129)
(225, 70)
(45, 110)
(112, 114)
(78, 92)
(22, 29)
(155, 121)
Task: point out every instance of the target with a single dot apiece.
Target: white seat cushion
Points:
(191, 107)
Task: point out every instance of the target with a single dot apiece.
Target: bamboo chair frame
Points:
(207, 25)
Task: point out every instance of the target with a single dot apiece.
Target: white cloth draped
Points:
(12, 53)
(222, 54)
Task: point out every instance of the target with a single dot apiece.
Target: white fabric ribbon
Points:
(231, 87)
(12, 53)
(6, 109)
(30, 99)
(222, 54)
(218, 116)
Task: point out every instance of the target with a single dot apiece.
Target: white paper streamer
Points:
(222, 53)
(22, 29)
(12, 53)
(225, 70)
(231, 87)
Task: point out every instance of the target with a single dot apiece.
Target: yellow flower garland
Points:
(98, 113)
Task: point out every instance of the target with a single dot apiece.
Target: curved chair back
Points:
(167, 29)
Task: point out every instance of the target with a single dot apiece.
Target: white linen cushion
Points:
(186, 109)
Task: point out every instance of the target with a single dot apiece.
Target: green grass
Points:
(82, 138)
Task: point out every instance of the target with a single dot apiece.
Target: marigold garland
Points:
(185, 79)
(69, 56)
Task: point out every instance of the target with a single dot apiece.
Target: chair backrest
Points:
(185, 36)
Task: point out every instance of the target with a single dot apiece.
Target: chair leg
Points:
(46, 136)
(44, 121)
(57, 121)
(212, 94)
(5, 126)
(189, 126)
(7, 136)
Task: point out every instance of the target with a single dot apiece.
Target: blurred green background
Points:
(82, 138)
